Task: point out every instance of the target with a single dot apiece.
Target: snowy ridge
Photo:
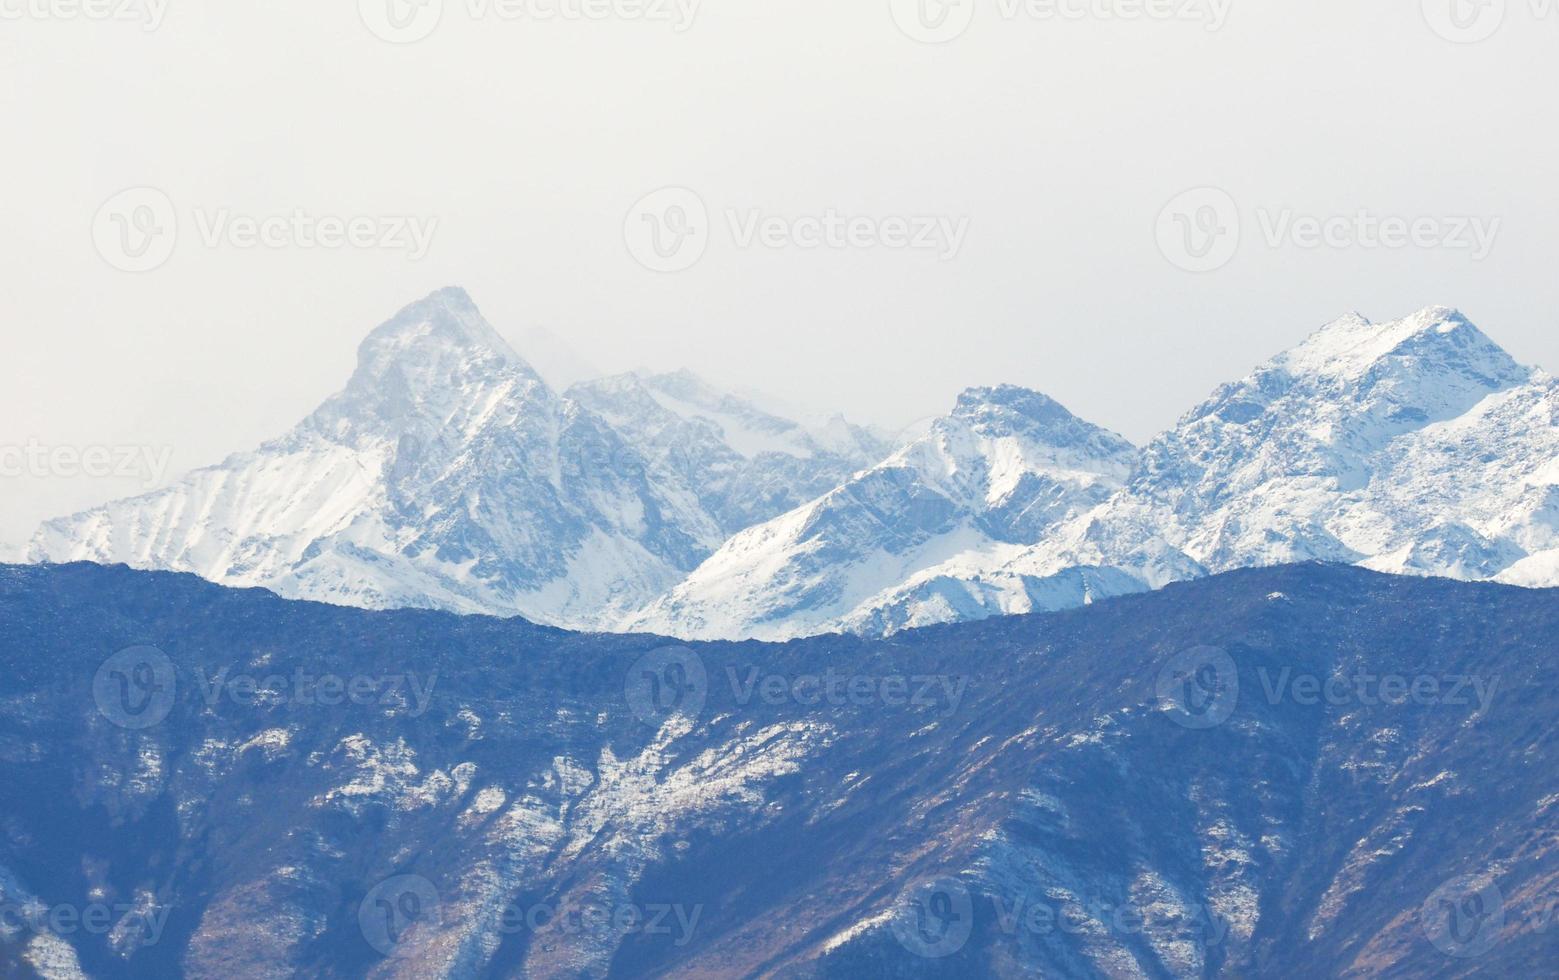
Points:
(446, 474)
(1417, 446)
(999, 472)
(449, 474)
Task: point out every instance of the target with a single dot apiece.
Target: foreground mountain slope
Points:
(1000, 472)
(1149, 787)
(448, 475)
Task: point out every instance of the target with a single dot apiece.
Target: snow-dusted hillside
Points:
(446, 474)
(1416, 446)
(998, 474)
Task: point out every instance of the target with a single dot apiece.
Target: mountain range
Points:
(1307, 770)
(448, 474)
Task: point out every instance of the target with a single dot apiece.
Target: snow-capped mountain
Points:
(446, 474)
(1004, 469)
(1417, 446)
(745, 464)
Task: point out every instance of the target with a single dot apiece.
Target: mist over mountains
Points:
(448, 474)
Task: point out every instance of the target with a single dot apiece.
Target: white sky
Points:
(1059, 140)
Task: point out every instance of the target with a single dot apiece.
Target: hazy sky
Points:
(864, 221)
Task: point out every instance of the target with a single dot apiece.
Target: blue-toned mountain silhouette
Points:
(1309, 770)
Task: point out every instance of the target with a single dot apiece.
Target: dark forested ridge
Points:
(1307, 770)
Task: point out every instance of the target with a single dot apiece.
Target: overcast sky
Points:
(860, 220)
